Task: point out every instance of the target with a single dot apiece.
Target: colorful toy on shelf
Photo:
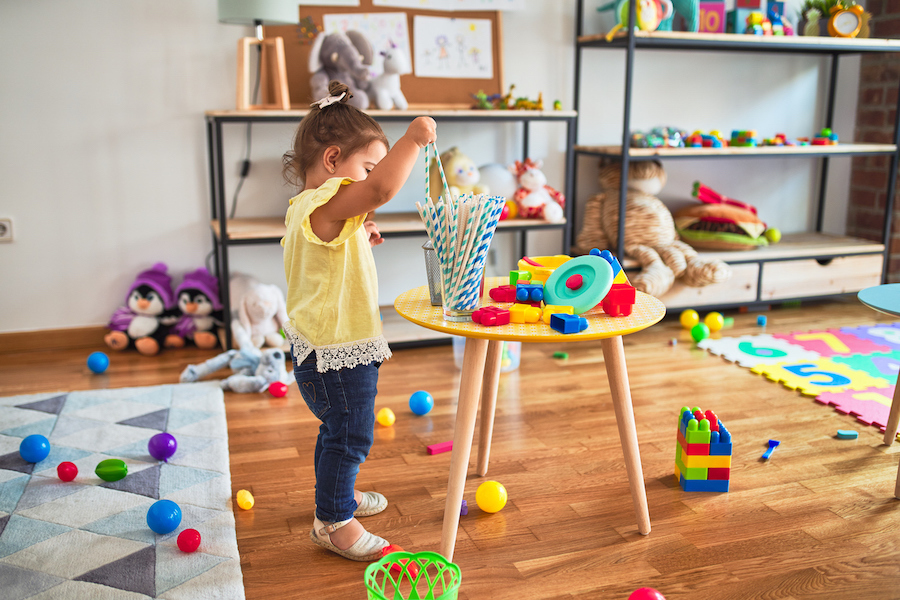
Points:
(826, 137)
(744, 138)
(648, 14)
(758, 24)
(509, 101)
(346, 57)
(719, 222)
(712, 17)
(713, 139)
(384, 90)
(845, 21)
(651, 235)
(703, 452)
(659, 137)
(536, 199)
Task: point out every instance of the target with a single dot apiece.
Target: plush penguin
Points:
(197, 298)
(147, 315)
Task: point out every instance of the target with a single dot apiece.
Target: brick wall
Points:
(876, 113)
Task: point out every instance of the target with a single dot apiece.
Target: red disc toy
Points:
(189, 540)
(67, 471)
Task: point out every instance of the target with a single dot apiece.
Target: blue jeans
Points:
(344, 401)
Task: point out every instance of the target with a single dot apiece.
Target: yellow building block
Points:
(697, 461)
(555, 309)
(524, 313)
(541, 274)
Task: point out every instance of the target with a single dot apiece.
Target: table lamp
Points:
(272, 70)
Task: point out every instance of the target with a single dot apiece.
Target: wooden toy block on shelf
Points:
(703, 452)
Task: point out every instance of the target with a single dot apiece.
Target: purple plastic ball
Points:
(162, 446)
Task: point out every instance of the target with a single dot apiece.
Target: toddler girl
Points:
(340, 158)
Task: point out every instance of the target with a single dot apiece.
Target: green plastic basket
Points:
(437, 578)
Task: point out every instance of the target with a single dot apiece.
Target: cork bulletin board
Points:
(420, 92)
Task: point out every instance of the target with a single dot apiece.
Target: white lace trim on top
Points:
(339, 356)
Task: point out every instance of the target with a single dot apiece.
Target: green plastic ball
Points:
(699, 332)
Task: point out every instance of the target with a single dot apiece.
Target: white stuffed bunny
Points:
(260, 314)
(384, 90)
(535, 198)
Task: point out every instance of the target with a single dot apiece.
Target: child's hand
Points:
(374, 235)
(422, 131)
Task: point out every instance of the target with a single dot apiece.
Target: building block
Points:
(703, 485)
(440, 448)
(516, 276)
(693, 449)
(697, 432)
(541, 274)
(491, 315)
(720, 442)
(712, 17)
(568, 323)
(692, 472)
(619, 301)
(524, 313)
(718, 474)
(556, 309)
(705, 462)
(529, 292)
(711, 470)
(772, 445)
(503, 293)
(464, 508)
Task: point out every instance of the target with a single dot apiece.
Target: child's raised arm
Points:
(385, 179)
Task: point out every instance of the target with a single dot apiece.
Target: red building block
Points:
(718, 474)
(504, 293)
(619, 300)
(693, 449)
(491, 315)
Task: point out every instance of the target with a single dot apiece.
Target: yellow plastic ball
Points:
(491, 496)
(245, 499)
(689, 318)
(513, 209)
(715, 321)
(385, 417)
(773, 235)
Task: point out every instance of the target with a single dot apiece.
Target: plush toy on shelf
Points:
(650, 236)
(462, 175)
(722, 223)
(261, 311)
(384, 90)
(254, 370)
(147, 315)
(536, 199)
(197, 298)
(345, 57)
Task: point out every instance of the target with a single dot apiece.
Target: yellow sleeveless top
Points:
(332, 287)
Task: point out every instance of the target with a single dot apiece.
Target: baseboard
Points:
(51, 339)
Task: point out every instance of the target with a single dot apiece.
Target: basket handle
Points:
(432, 147)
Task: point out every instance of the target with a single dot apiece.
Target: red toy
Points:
(646, 594)
(413, 568)
(278, 389)
(67, 471)
(504, 293)
(189, 540)
(619, 301)
(491, 315)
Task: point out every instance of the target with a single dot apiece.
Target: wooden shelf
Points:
(272, 229)
(738, 151)
(401, 115)
(794, 246)
(679, 40)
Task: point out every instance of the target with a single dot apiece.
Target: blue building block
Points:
(529, 292)
(564, 323)
(608, 257)
(703, 485)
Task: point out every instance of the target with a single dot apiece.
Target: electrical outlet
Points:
(6, 233)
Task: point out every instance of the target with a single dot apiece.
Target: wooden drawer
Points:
(739, 289)
(805, 278)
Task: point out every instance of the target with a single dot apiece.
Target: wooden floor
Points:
(818, 520)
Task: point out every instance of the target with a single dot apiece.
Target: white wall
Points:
(103, 158)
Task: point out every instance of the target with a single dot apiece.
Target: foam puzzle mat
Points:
(853, 369)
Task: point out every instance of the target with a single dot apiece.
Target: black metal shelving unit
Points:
(223, 240)
(835, 48)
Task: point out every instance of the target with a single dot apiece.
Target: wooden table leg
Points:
(466, 409)
(614, 357)
(890, 432)
(489, 403)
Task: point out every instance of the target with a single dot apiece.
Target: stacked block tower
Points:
(703, 452)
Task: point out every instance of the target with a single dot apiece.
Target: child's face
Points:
(357, 165)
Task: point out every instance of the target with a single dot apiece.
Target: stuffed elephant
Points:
(260, 313)
(345, 57)
(254, 370)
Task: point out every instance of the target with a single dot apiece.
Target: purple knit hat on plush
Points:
(158, 279)
(203, 281)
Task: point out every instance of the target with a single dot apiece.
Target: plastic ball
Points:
(491, 496)
(421, 402)
(773, 234)
(164, 517)
(699, 332)
(504, 212)
(689, 318)
(245, 499)
(34, 448)
(98, 362)
(67, 471)
(111, 469)
(162, 446)
(513, 209)
(278, 389)
(385, 417)
(761, 320)
(646, 594)
(715, 321)
(189, 540)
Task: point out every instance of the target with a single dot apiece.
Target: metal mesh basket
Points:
(433, 270)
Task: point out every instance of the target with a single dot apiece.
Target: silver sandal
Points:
(366, 549)
(372, 503)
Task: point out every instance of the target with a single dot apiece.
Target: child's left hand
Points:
(374, 235)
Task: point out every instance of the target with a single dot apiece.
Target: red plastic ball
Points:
(504, 212)
(646, 594)
(189, 540)
(278, 389)
(67, 471)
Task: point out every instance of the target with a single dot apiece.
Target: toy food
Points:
(720, 223)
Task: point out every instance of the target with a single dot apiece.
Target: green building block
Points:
(697, 432)
(692, 473)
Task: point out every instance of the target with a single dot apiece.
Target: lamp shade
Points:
(269, 12)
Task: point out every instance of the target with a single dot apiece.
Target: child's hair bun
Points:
(336, 88)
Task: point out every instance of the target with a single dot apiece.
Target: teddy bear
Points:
(461, 173)
(261, 312)
(650, 236)
(345, 57)
(536, 199)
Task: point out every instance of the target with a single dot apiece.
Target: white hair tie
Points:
(325, 102)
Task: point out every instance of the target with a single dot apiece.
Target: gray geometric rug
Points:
(88, 539)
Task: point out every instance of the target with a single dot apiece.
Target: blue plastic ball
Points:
(34, 448)
(97, 362)
(164, 517)
(421, 402)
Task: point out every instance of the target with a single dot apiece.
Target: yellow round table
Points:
(481, 375)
